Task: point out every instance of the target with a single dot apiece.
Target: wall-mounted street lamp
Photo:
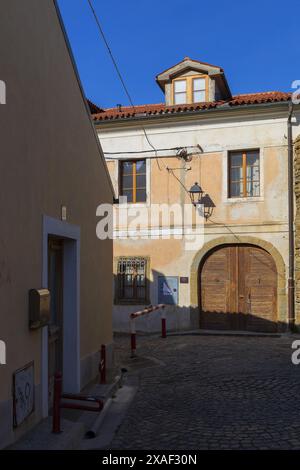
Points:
(196, 193)
(199, 199)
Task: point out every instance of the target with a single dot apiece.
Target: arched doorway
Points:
(238, 289)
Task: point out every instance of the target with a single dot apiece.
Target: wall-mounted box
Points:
(168, 290)
(39, 308)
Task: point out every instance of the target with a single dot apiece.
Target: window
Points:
(132, 280)
(244, 178)
(199, 90)
(133, 180)
(180, 92)
(193, 89)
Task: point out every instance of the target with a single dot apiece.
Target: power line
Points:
(177, 149)
(119, 74)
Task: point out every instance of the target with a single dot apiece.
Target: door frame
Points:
(71, 306)
(282, 303)
(237, 318)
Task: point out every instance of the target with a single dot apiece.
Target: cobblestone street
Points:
(211, 392)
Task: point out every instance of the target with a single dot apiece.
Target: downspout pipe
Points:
(291, 278)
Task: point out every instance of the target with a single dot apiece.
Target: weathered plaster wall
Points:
(297, 229)
(49, 157)
(262, 219)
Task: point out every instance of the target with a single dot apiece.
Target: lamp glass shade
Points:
(195, 192)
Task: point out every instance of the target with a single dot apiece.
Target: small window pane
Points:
(180, 86)
(180, 98)
(141, 166)
(141, 181)
(252, 188)
(252, 158)
(127, 182)
(236, 173)
(199, 96)
(236, 159)
(128, 193)
(199, 84)
(140, 195)
(253, 173)
(141, 293)
(127, 168)
(236, 189)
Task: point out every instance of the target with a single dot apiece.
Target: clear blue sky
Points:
(256, 42)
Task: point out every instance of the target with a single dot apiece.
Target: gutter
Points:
(191, 114)
(291, 278)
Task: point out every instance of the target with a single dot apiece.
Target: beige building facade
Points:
(236, 149)
(53, 177)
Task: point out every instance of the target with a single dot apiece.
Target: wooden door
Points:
(218, 290)
(55, 329)
(260, 290)
(238, 289)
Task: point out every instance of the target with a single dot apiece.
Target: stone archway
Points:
(231, 239)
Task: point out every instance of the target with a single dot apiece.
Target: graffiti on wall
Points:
(23, 393)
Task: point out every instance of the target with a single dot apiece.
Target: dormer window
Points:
(180, 92)
(199, 89)
(191, 81)
(191, 89)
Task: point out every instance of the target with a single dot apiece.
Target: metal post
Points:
(291, 278)
(56, 403)
(163, 324)
(102, 365)
(133, 338)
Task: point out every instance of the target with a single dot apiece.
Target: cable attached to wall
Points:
(120, 77)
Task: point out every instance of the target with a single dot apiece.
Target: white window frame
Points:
(225, 181)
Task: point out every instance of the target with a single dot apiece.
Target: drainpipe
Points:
(291, 279)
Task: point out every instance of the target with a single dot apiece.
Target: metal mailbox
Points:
(39, 308)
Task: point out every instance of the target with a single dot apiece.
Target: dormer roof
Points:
(215, 72)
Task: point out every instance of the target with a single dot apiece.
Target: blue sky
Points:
(256, 42)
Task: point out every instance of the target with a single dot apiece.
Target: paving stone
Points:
(211, 392)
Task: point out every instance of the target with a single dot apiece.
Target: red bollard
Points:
(163, 328)
(56, 403)
(102, 365)
(133, 337)
(163, 323)
(133, 344)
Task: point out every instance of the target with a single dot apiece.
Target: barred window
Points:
(132, 280)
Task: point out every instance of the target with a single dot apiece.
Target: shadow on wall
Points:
(178, 317)
(183, 317)
(238, 321)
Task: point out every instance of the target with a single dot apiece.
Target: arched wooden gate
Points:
(238, 289)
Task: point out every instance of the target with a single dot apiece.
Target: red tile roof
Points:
(161, 109)
(94, 108)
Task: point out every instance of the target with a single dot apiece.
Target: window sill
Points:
(133, 204)
(238, 200)
(130, 302)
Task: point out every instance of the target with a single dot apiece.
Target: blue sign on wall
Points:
(168, 290)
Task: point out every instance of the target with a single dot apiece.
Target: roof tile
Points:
(127, 112)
